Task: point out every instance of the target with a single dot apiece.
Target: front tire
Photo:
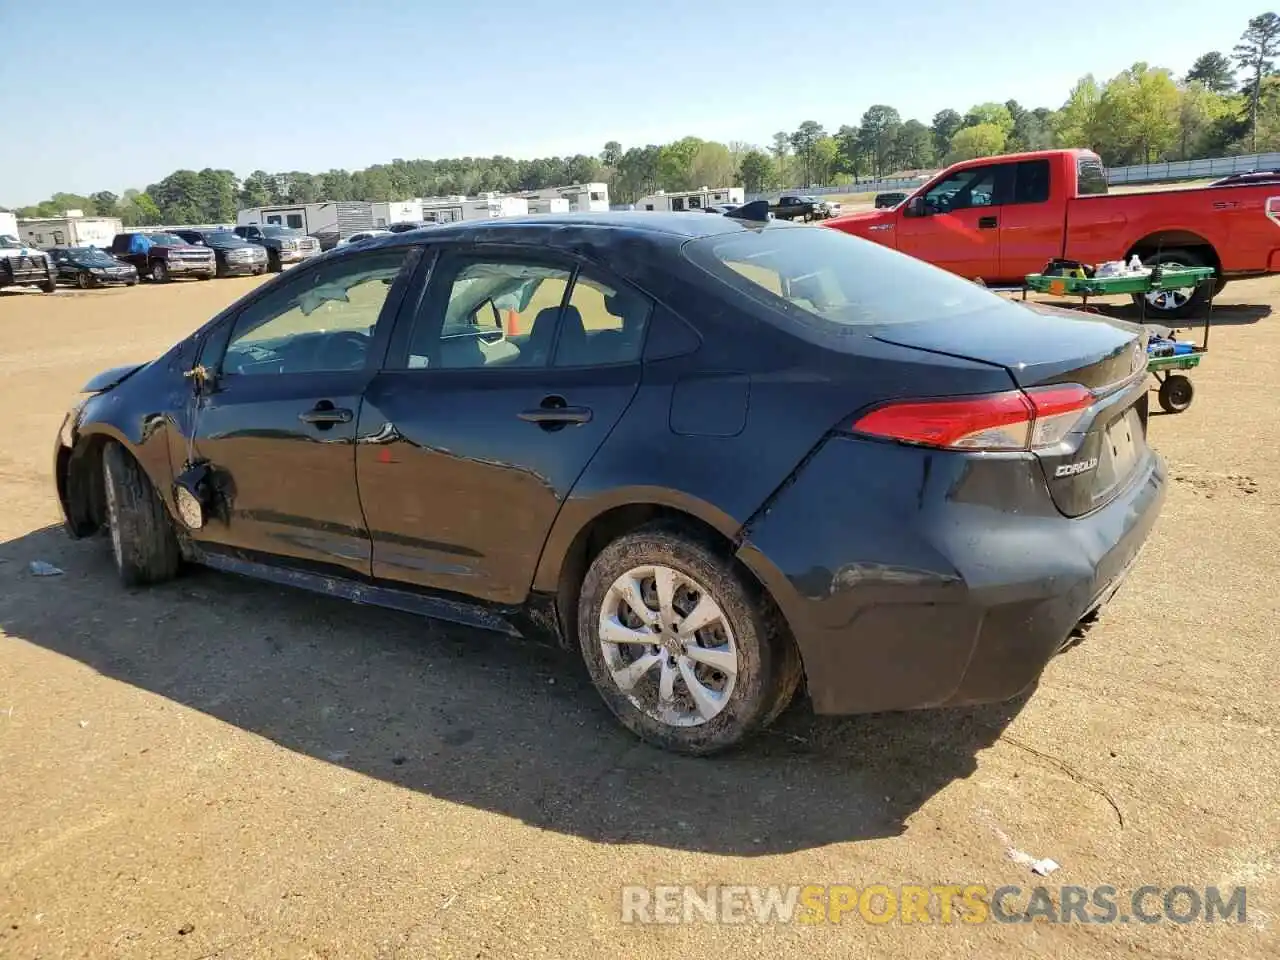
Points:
(683, 650)
(83, 280)
(273, 261)
(160, 272)
(50, 285)
(1168, 305)
(143, 544)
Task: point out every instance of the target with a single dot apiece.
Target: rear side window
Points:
(1091, 176)
(1031, 182)
(828, 282)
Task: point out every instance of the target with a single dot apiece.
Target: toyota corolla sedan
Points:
(724, 461)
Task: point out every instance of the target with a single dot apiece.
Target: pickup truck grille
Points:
(309, 244)
(195, 256)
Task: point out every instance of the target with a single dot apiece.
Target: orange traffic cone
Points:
(513, 323)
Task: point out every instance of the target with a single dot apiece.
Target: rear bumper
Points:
(913, 579)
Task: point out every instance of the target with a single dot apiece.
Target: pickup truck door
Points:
(1031, 226)
(958, 228)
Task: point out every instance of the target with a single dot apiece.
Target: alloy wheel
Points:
(668, 645)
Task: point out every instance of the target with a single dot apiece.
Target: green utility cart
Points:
(1165, 356)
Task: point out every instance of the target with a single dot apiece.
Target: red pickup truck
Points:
(1000, 218)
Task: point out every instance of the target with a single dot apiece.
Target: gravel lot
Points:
(218, 768)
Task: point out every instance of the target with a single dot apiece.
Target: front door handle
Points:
(325, 414)
(987, 223)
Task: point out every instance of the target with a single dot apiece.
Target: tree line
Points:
(1225, 104)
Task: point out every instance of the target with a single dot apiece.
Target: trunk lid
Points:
(1041, 346)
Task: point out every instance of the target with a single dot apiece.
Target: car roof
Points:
(568, 230)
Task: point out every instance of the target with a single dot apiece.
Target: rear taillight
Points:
(1016, 420)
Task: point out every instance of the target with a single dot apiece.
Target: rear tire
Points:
(143, 543)
(741, 673)
(1175, 304)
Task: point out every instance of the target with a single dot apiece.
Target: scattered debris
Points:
(83, 724)
(186, 928)
(39, 568)
(1044, 867)
(397, 760)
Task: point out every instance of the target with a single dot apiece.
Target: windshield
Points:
(167, 240)
(829, 281)
(275, 230)
(8, 241)
(92, 256)
(224, 238)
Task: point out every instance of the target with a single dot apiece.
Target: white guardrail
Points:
(1136, 173)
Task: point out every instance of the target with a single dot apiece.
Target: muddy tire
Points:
(684, 650)
(142, 540)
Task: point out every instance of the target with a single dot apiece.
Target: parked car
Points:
(891, 199)
(163, 256)
(362, 236)
(407, 225)
(1000, 218)
(715, 457)
(284, 245)
(21, 265)
(804, 208)
(90, 267)
(233, 255)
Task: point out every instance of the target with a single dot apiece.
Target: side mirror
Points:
(915, 207)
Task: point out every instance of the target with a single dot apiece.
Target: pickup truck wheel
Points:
(160, 272)
(50, 285)
(682, 650)
(1166, 305)
(143, 544)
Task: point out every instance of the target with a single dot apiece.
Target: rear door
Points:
(1031, 227)
(278, 423)
(497, 394)
(960, 227)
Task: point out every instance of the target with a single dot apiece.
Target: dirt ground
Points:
(220, 768)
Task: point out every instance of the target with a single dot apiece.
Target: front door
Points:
(959, 228)
(277, 421)
(510, 378)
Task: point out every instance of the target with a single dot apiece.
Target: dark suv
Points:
(283, 244)
(233, 255)
(163, 256)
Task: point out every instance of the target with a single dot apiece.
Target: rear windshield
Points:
(831, 282)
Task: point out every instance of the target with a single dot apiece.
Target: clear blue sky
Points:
(99, 95)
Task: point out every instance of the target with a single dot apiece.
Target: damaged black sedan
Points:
(724, 460)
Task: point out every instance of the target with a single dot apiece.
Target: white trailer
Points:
(452, 209)
(549, 205)
(592, 197)
(8, 224)
(331, 220)
(71, 230)
(692, 199)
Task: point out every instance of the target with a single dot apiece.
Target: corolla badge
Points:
(1072, 469)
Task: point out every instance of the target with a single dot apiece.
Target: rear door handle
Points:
(987, 223)
(548, 415)
(325, 414)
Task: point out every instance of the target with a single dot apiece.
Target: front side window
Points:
(323, 321)
(972, 187)
(295, 220)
